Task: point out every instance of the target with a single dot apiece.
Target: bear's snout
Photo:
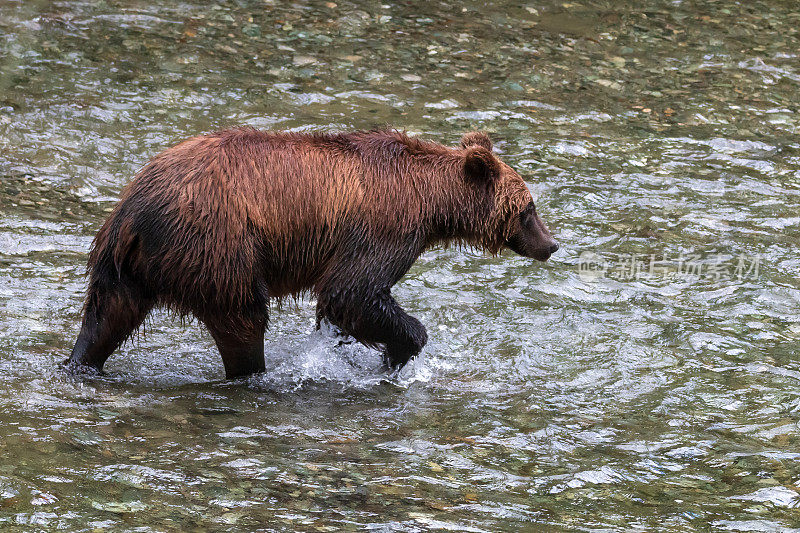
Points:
(544, 253)
(532, 237)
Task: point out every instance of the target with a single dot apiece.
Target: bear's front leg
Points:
(375, 318)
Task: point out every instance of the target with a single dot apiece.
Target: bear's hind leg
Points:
(110, 316)
(241, 345)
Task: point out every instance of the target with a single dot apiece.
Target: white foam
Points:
(324, 357)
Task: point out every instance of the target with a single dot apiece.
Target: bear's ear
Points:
(476, 138)
(480, 165)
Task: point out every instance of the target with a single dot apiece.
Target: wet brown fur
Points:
(219, 224)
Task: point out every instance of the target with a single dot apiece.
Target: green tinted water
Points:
(611, 389)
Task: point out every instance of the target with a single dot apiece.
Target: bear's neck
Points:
(456, 212)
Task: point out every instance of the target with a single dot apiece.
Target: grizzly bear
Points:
(219, 224)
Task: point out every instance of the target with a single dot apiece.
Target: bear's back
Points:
(239, 200)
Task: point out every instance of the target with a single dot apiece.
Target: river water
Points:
(646, 378)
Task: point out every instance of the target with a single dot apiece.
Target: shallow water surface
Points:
(646, 378)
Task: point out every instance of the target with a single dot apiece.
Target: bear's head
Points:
(513, 222)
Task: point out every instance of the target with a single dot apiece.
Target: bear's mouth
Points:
(539, 254)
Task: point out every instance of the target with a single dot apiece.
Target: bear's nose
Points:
(554, 248)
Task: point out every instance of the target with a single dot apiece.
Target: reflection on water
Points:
(545, 399)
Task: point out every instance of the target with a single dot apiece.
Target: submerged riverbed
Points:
(646, 378)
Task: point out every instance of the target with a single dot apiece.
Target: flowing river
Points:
(647, 377)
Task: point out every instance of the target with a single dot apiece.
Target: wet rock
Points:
(302, 60)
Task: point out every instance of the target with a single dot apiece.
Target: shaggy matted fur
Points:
(219, 224)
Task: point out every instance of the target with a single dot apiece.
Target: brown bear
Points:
(221, 223)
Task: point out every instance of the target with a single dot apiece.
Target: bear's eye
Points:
(528, 215)
(530, 210)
